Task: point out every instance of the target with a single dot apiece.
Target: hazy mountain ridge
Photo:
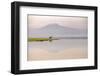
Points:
(57, 30)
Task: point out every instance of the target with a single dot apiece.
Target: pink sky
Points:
(38, 21)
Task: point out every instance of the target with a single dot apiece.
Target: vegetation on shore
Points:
(42, 39)
(38, 39)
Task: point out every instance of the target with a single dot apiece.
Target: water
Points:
(58, 49)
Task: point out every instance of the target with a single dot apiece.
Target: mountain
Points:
(57, 30)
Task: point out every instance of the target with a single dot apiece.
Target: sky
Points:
(38, 21)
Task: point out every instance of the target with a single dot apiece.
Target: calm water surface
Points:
(56, 49)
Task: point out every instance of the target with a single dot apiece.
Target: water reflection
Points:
(58, 49)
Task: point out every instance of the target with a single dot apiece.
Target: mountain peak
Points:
(55, 29)
(53, 25)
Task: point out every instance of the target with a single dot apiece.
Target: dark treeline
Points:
(71, 37)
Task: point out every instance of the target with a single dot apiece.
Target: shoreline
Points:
(54, 38)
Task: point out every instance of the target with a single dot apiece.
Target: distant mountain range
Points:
(57, 30)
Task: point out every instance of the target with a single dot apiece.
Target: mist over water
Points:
(57, 37)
